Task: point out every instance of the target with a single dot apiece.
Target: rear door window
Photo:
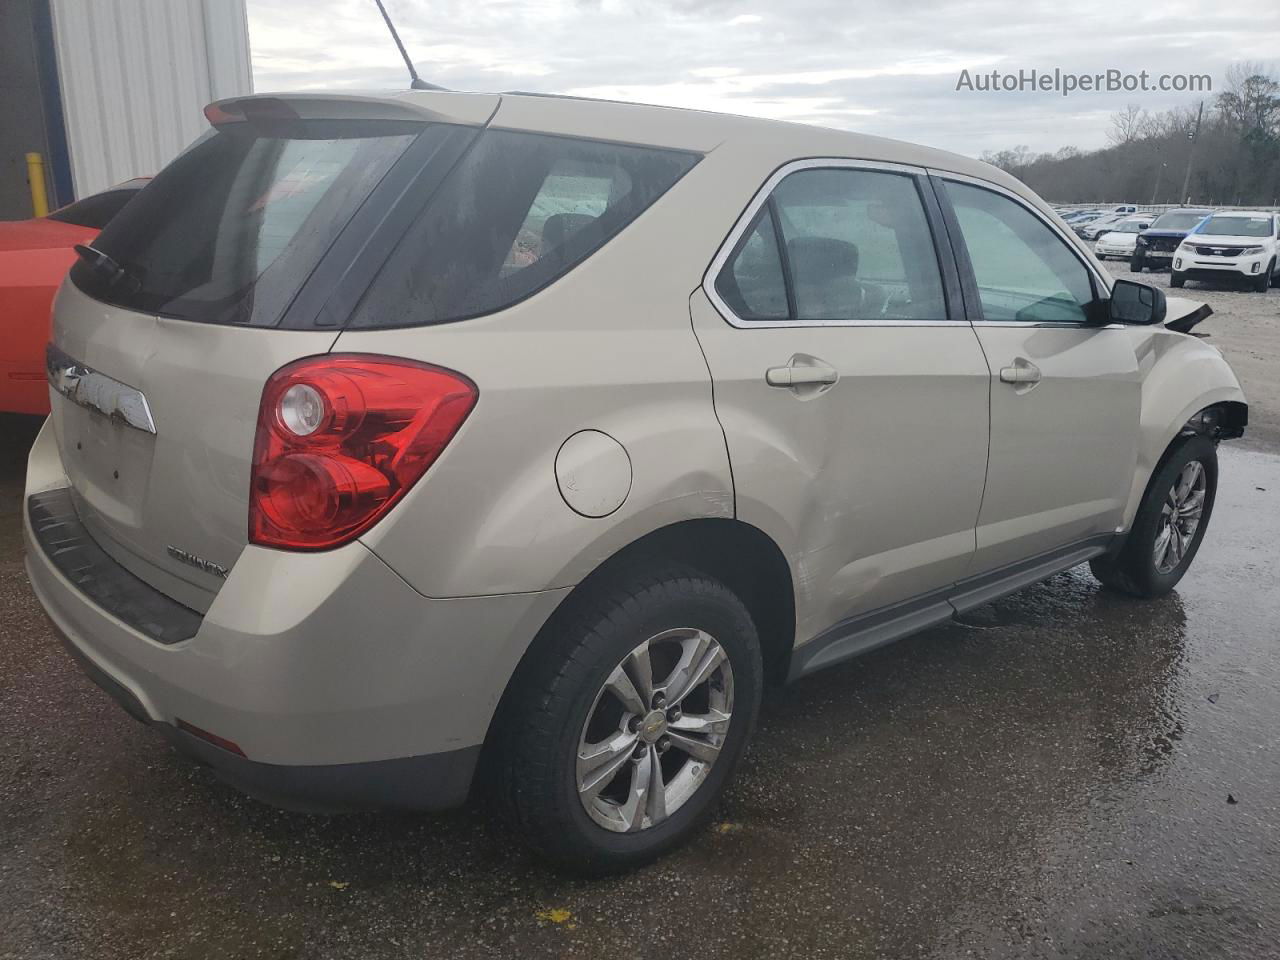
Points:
(230, 230)
(837, 245)
(518, 211)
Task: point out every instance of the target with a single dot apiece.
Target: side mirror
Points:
(1136, 303)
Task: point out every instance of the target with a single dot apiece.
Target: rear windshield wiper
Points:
(103, 265)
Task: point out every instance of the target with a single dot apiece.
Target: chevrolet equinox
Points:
(399, 438)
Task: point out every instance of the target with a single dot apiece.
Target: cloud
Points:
(878, 66)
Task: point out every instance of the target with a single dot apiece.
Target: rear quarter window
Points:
(519, 211)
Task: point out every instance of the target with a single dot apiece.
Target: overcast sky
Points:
(887, 67)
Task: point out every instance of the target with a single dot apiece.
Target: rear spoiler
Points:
(467, 109)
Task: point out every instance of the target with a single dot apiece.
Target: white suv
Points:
(1231, 244)
(397, 438)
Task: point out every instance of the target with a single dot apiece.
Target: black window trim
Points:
(948, 273)
(973, 303)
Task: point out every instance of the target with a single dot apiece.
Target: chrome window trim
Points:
(748, 215)
(92, 390)
(1103, 282)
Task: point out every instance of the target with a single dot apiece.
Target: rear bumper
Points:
(342, 686)
(436, 781)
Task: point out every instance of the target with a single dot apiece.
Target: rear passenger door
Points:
(1065, 391)
(852, 392)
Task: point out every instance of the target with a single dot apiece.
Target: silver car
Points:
(396, 439)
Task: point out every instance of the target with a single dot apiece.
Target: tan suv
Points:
(398, 438)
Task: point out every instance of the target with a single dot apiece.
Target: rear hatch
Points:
(162, 351)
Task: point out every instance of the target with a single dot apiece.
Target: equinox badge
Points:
(191, 560)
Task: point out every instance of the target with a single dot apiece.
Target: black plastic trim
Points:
(867, 631)
(434, 781)
(330, 294)
(67, 544)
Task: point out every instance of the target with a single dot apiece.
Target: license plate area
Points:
(107, 461)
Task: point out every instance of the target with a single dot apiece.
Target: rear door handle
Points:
(810, 371)
(1022, 371)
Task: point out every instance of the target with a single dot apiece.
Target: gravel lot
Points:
(1064, 774)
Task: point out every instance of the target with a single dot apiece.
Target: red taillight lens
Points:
(341, 438)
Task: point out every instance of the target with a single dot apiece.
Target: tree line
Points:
(1220, 152)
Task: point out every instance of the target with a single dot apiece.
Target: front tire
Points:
(630, 725)
(1136, 263)
(1177, 278)
(1263, 282)
(1169, 525)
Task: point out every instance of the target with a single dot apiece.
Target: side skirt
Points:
(868, 631)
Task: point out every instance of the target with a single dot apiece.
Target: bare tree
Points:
(1226, 151)
(1127, 125)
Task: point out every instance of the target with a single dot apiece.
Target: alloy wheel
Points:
(1180, 517)
(655, 729)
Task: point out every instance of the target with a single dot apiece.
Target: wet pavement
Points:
(1054, 777)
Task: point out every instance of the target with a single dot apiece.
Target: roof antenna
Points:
(415, 82)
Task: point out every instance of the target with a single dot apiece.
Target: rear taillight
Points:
(341, 438)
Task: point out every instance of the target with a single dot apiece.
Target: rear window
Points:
(517, 212)
(230, 230)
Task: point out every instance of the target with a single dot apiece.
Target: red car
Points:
(34, 257)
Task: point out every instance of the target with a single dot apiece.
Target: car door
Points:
(1065, 391)
(852, 393)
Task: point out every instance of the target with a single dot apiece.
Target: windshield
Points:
(1238, 226)
(228, 232)
(1130, 226)
(1177, 221)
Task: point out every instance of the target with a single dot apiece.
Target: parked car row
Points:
(1193, 243)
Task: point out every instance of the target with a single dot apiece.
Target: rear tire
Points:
(577, 753)
(1163, 541)
(1177, 278)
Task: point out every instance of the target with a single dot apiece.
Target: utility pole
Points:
(1193, 136)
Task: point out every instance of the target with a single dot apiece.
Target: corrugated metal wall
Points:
(136, 75)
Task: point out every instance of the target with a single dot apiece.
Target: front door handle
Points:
(1022, 371)
(803, 370)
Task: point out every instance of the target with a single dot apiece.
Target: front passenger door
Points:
(1065, 392)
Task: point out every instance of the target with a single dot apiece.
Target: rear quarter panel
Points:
(608, 347)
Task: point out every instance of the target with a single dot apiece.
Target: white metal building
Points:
(108, 90)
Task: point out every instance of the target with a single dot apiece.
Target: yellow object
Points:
(35, 175)
(558, 915)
